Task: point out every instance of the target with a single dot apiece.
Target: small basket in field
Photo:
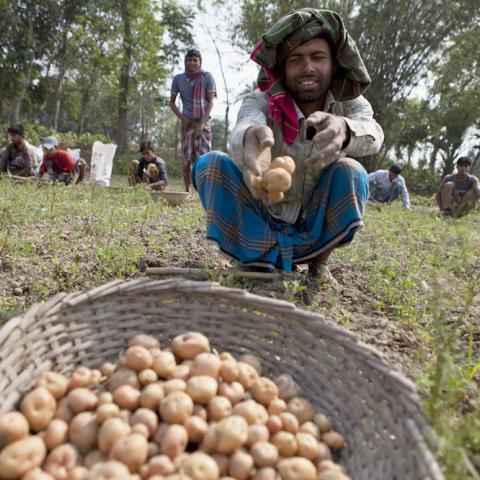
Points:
(375, 408)
(172, 198)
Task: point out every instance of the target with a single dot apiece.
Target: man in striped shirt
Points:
(197, 91)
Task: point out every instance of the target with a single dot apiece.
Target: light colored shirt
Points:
(366, 138)
(382, 182)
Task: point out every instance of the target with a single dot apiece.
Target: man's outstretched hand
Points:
(257, 157)
(332, 134)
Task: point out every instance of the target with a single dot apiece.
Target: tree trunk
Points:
(225, 133)
(83, 110)
(58, 95)
(124, 82)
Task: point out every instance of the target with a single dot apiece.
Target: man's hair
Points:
(464, 161)
(396, 169)
(146, 145)
(193, 52)
(326, 35)
(18, 129)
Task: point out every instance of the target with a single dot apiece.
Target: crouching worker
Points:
(459, 192)
(58, 164)
(310, 108)
(387, 185)
(150, 169)
(17, 159)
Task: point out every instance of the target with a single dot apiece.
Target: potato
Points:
(78, 473)
(189, 345)
(21, 456)
(83, 431)
(264, 454)
(81, 377)
(219, 407)
(147, 376)
(323, 422)
(54, 382)
(252, 411)
(39, 407)
(202, 388)
(277, 406)
(143, 340)
(123, 376)
(206, 364)
(37, 474)
(311, 428)
(334, 440)
(247, 375)
(233, 391)
(266, 473)
(110, 431)
(253, 361)
(151, 396)
(61, 461)
(287, 388)
(307, 446)
(146, 417)
(285, 162)
(196, 428)
(106, 411)
(160, 465)
(13, 426)
(274, 424)
(301, 408)
(175, 384)
(107, 368)
(176, 407)
(174, 441)
(56, 433)
(130, 450)
(109, 471)
(209, 442)
(164, 364)
(257, 433)
(241, 465)
(334, 473)
(153, 450)
(229, 370)
(290, 422)
(93, 457)
(127, 397)
(296, 468)
(63, 411)
(182, 371)
(324, 452)
(105, 397)
(263, 390)
(199, 466)
(231, 433)
(286, 443)
(81, 400)
(276, 180)
(138, 358)
(142, 429)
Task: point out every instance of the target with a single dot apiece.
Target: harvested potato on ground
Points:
(233, 391)
(253, 361)
(334, 440)
(106, 411)
(176, 407)
(81, 377)
(277, 406)
(264, 454)
(110, 431)
(189, 345)
(107, 368)
(151, 396)
(229, 370)
(13, 426)
(37, 474)
(287, 388)
(21, 456)
(247, 375)
(201, 388)
(231, 433)
(130, 450)
(219, 407)
(145, 417)
(206, 364)
(296, 468)
(109, 471)
(127, 397)
(123, 376)
(200, 466)
(290, 422)
(61, 461)
(63, 411)
(55, 383)
(83, 431)
(174, 441)
(81, 400)
(263, 390)
(159, 465)
(147, 376)
(39, 407)
(138, 358)
(252, 411)
(241, 465)
(301, 408)
(307, 446)
(144, 340)
(266, 473)
(164, 364)
(311, 428)
(274, 424)
(286, 443)
(56, 433)
(196, 428)
(323, 422)
(257, 433)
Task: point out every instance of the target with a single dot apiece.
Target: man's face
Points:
(463, 169)
(392, 175)
(309, 70)
(16, 138)
(192, 64)
(148, 155)
(49, 153)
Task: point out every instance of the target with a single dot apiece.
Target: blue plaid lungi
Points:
(244, 229)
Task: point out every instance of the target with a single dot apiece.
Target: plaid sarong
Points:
(193, 147)
(243, 228)
(351, 77)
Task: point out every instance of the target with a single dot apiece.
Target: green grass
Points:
(412, 270)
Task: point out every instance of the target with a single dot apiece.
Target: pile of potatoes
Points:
(177, 413)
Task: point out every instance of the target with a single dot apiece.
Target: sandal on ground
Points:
(257, 267)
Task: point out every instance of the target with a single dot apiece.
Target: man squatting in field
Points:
(311, 85)
(197, 90)
(149, 169)
(17, 159)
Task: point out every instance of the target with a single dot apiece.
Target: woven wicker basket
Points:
(377, 409)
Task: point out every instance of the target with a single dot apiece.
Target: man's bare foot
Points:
(322, 272)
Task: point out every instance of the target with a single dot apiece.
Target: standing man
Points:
(58, 164)
(17, 158)
(197, 90)
(387, 185)
(459, 192)
(311, 108)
